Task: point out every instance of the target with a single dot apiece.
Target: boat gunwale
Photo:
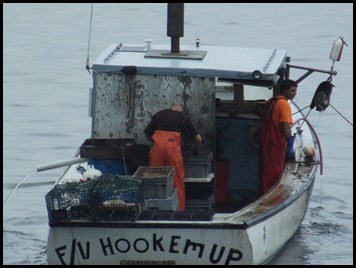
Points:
(229, 222)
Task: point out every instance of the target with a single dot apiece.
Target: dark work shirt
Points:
(169, 120)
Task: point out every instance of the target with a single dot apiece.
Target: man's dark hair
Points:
(287, 84)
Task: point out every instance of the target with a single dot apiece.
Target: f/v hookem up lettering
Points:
(216, 254)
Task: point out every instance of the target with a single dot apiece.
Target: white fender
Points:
(309, 150)
(91, 173)
(336, 50)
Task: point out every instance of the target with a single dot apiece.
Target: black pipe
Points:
(175, 24)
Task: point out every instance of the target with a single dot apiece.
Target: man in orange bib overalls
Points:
(165, 130)
(276, 135)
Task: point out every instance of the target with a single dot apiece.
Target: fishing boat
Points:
(110, 207)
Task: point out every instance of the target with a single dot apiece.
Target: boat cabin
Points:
(222, 89)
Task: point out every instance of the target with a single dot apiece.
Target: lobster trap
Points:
(70, 200)
(117, 198)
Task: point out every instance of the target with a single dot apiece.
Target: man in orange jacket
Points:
(276, 135)
(164, 130)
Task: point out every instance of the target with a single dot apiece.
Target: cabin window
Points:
(253, 93)
(240, 101)
(225, 91)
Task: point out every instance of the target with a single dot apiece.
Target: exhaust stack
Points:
(175, 24)
(175, 29)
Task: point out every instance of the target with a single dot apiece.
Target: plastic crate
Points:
(158, 181)
(169, 203)
(197, 166)
(117, 198)
(200, 189)
(200, 204)
(68, 201)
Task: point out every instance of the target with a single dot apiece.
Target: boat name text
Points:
(217, 254)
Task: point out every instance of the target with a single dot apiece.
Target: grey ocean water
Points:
(45, 103)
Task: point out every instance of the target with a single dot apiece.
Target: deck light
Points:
(257, 74)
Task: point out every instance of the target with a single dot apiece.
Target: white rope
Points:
(13, 190)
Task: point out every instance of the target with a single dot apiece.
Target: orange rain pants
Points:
(166, 151)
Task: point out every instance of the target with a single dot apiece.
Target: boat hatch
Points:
(132, 48)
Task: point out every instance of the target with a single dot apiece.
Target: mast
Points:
(175, 24)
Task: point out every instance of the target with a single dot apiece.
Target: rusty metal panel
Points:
(124, 104)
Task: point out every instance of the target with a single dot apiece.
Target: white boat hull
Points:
(229, 239)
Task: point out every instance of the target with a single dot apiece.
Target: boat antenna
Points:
(91, 19)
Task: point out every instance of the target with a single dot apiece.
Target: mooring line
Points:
(340, 114)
